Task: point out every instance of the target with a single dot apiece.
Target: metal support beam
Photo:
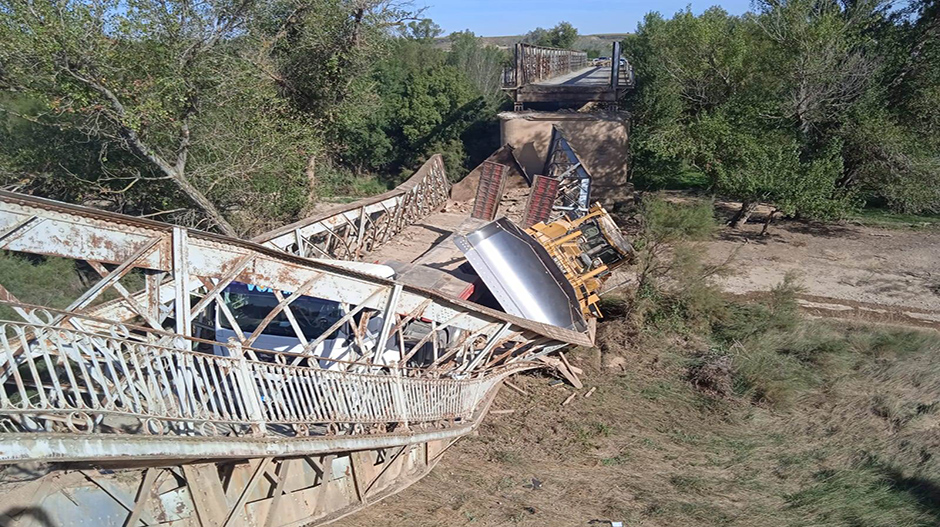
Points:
(182, 303)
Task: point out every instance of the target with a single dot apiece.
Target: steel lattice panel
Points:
(489, 191)
(541, 199)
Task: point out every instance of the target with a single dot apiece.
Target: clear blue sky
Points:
(514, 17)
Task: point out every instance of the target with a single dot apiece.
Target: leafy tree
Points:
(322, 54)
(429, 101)
(424, 29)
(563, 35)
(247, 110)
(760, 165)
(483, 65)
(892, 142)
(416, 101)
(536, 36)
(130, 74)
(802, 104)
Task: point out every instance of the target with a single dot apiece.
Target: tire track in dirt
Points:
(852, 310)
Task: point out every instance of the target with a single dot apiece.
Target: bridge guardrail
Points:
(58, 379)
(536, 63)
(350, 231)
(81, 376)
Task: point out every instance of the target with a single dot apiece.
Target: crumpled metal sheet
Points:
(522, 275)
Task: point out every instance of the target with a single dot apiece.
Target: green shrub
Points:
(674, 290)
(51, 282)
(776, 354)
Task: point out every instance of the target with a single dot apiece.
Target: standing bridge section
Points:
(352, 231)
(564, 78)
(125, 413)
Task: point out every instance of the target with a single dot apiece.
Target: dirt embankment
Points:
(651, 449)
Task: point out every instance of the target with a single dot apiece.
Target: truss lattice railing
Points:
(62, 380)
(533, 64)
(409, 357)
(349, 232)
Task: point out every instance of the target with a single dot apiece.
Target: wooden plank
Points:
(574, 376)
(563, 370)
(569, 399)
(515, 388)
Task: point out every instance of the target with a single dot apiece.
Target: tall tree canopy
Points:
(807, 105)
(233, 116)
(563, 35)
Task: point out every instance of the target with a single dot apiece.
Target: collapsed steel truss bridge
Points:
(117, 412)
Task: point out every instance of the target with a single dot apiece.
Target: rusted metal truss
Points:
(100, 375)
(541, 200)
(267, 491)
(352, 231)
(489, 191)
(537, 63)
(573, 198)
(139, 414)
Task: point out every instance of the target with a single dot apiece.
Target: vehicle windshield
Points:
(249, 305)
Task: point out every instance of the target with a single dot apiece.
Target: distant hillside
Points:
(600, 42)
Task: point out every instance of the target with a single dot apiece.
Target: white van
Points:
(250, 304)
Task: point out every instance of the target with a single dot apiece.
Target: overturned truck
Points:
(289, 380)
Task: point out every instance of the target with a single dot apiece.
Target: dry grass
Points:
(854, 449)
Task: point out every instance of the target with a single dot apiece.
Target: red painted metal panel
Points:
(489, 191)
(541, 199)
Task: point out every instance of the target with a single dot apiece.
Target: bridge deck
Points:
(417, 239)
(578, 87)
(593, 76)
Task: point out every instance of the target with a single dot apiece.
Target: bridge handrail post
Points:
(244, 383)
(520, 70)
(398, 398)
(615, 66)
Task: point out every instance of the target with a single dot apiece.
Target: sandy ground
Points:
(894, 267)
(845, 270)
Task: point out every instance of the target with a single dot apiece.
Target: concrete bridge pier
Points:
(599, 138)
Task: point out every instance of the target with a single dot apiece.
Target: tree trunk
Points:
(207, 206)
(311, 172)
(768, 221)
(135, 144)
(743, 214)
